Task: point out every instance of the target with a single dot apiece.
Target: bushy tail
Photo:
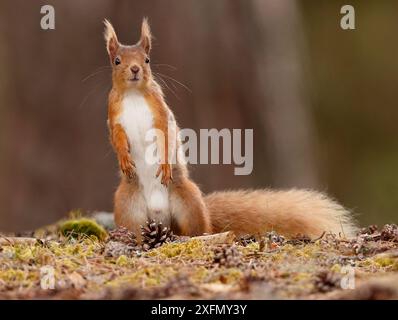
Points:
(288, 212)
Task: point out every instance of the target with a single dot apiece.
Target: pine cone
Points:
(327, 281)
(246, 240)
(154, 235)
(299, 239)
(368, 230)
(227, 256)
(389, 233)
(273, 237)
(123, 235)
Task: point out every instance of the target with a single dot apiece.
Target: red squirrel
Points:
(164, 192)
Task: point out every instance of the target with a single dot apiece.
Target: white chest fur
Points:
(136, 118)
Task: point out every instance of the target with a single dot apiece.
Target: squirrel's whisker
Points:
(164, 65)
(96, 72)
(158, 77)
(176, 81)
(96, 87)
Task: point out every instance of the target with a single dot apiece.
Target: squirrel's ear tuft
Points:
(112, 44)
(146, 37)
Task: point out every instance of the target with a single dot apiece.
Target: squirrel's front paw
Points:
(166, 171)
(127, 166)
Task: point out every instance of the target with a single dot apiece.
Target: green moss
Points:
(200, 274)
(26, 254)
(19, 278)
(230, 275)
(387, 262)
(13, 275)
(82, 227)
(122, 261)
(193, 249)
(223, 275)
(146, 277)
(336, 268)
(379, 263)
(301, 276)
(308, 251)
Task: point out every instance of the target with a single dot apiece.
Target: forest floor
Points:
(80, 260)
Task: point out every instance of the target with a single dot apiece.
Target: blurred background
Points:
(322, 101)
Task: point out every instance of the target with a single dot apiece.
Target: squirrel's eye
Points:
(147, 60)
(117, 61)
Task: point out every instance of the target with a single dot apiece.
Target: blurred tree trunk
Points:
(3, 109)
(284, 111)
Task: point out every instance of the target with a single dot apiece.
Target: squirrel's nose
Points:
(135, 69)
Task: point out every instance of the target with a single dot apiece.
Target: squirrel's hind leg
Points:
(188, 211)
(130, 208)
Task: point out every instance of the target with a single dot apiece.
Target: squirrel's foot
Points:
(165, 169)
(127, 166)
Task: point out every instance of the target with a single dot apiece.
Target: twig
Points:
(319, 238)
(16, 240)
(217, 238)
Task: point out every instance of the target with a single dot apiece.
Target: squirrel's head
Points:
(130, 64)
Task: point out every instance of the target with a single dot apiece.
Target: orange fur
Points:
(194, 218)
(287, 212)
